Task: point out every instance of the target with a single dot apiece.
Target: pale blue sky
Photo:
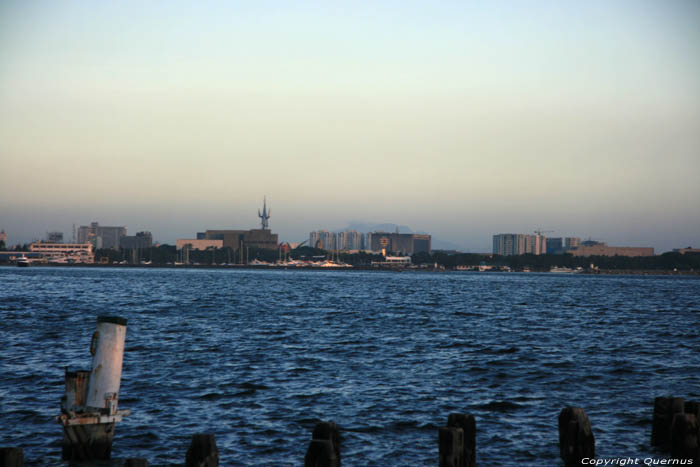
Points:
(462, 119)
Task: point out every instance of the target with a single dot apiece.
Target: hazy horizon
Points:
(462, 121)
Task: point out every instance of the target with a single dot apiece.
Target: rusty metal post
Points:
(89, 406)
(107, 349)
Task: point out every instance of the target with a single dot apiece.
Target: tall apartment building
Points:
(101, 236)
(349, 240)
(323, 239)
(519, 244)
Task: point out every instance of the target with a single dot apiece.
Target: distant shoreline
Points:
(607, 272)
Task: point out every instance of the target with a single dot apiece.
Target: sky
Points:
(459, 119)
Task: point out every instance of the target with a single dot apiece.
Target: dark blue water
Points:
(257, 357)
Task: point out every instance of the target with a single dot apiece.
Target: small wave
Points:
(499, 406)
(251, 385)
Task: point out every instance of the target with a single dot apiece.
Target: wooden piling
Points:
(87, 442)
(468, 425)
(324, 448)
(684, 436)
(665, 408)
(136, 462)
(202, 451)
(11, 457)
(451, 446)
(576, 439)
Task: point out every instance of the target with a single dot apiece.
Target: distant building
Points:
(3, 237)
(101, 236)
(555, 245)
(139, 241)
(54, 237)
(572, 242)
(64, 252)
(323, 239)
(241, 239)
(407, 244)
(519, 244)
(602, 249)
(349, 240)
(677, 250)
(198, 244)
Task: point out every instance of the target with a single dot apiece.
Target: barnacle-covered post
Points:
(89, 407)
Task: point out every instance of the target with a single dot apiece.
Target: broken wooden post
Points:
(468, 425)
(202, 451)
(684, 436)
(451, 446)
(576, 439)
(11, 457)
(89, 406)
(664, 410)
(324, 448)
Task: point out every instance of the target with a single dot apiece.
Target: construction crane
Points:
(540, 231)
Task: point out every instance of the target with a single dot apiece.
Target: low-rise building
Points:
(198, 244)
(242, 239)
(139, 241)
(406, 244)
(602, 249)
(64, 252)
(101, 236)
(686, 250)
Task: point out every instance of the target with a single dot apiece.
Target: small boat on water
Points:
(23, 262)
(565, 270)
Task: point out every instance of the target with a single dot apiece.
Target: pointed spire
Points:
(265, 215)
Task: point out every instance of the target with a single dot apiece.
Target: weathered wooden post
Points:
(324, 448)
(89, 406)
(684, 437)
(451, 446)
(576, 439)
(11, 457)
(468, 425)
(135, 462)
(202, 451)
(665, 408)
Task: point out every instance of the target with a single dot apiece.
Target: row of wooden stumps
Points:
(675, 429)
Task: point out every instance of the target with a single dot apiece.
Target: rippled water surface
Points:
(257, 357)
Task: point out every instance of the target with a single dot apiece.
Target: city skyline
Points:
(459, 120)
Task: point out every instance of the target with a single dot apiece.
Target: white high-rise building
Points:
(349, 240)
(519, 244)
(323, 239)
